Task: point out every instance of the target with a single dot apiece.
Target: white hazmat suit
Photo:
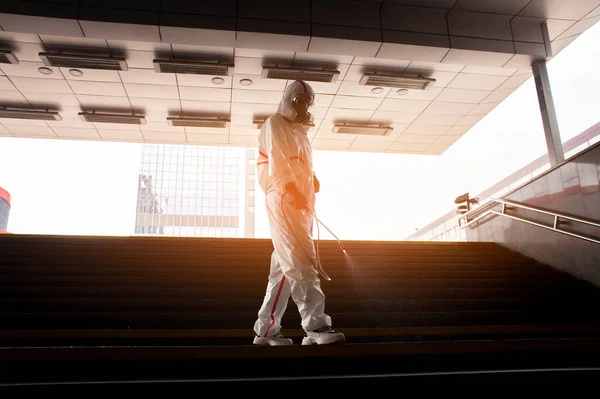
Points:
(286, 157)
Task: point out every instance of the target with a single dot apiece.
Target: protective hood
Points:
(286, 107)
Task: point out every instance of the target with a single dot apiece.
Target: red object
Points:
(5, 195)
(275, 306)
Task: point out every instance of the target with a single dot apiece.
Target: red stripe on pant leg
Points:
(275, 305)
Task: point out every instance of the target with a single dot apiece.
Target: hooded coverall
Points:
(286, 157)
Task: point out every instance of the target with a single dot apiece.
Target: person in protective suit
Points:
(285, 174)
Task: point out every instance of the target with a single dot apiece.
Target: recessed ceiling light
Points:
(45, 71)
(402, 92)
(75, 72)
(377, 90)
(218, 81)
(246, 82)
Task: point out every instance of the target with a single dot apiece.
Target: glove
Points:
(299, 200)
(317, 184)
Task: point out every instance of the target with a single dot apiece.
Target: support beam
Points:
(542, 84)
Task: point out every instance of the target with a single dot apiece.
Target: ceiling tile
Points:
(70, 122)
(19, 37)
(423, 95)
(121, 134)
(120, 31)
(204, 94)
(271, 41)
(416, 138)
(324, 101)
(27, 51)
(209, 139)
(151, 91)
(327, 144)
(257, 96)
(244, 130)
(326, 59)
(207, 130)
(510, 7)
(91, 103)
(559, 45)
(115, 126)
(28, 85)
(340, 114)
(4, 132)
(433, 130)
(23, 130)
(470, 120)
(483, 109)
(558, 9)
(356, 102)
(203, 37)
(458, 130)
(435, 66)
(9, 122)
(514, 82)
(40, 25)
(264, 54)
(93, 75)
(120, 45)
(478, 57)
(240, 120)
(448, 139)
(30, 70)
(409, 147)
(72, 132)
(147, 76)
(436, 149)
(350, 88)
(580, 27)
(13, 96)
(161, 126)
(60, 100)
(169, 137)
(254, 109)
(158, 104)
(497, 96)
(557, 26)
(394, 117)
(399, 65)
(205, 107)
(98, 88)
(259, 83)
(401, 105)
(411, 52)
(140, 59)
(527, 29)
(357, 48)
(74, 44)
(426, 3)
(369, 146)
(244, 141)
(325, 88)
(476, 82)
(203, 81)
(6, 84)
(203, 53)
(442, 78)
(481, 70)
(462, 95)
(445, 108)
(444, 120)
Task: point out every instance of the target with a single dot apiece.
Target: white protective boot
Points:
(276, 340)
(323, 336)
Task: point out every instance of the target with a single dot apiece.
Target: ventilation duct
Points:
(313, 75)
(8, 57)
(369, 130)
(258, 124)
(214, 122)
(403, 82)
(30, 114)
(112, 118)
(84, 61)
(193, 67)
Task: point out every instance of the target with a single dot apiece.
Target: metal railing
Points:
(486, 209)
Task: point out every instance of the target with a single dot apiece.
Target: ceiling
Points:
(469, 84)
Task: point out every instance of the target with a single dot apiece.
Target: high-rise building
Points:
(4, 209)
(195, 191)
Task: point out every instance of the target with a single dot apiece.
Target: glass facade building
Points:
(193, 191)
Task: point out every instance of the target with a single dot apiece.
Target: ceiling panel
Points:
(92, 75)
(13, 96)
(147, 76)
(98, 88)
(443, 120)
(462, 95)
(203, 81)
(327, 144)
(442, 78)
(423, 95)
(444, 108)
(24, 130)
(6, 84)
(559, 9)
(208, 139)
(151, 91)
(401, 105)
(74, 44)
(104, 102)
(30, 70)
(121, 134)
(369, 146)
(419, 129)
(28, 85)
(476, 82)
(417, 138)
(204, 94)
(168, 137)
(205, 107)
(259, 83)
(257, 96)
(408, 147)
(349, 88)
(394, 117)
(73, 132)
(244, 141)
(356, 102)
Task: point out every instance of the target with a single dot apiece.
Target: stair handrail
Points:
(487, 208)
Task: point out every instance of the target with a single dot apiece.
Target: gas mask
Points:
(301, 104)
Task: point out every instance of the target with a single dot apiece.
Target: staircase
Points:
(147, 308)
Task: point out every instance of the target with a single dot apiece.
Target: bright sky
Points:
(90, 188)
